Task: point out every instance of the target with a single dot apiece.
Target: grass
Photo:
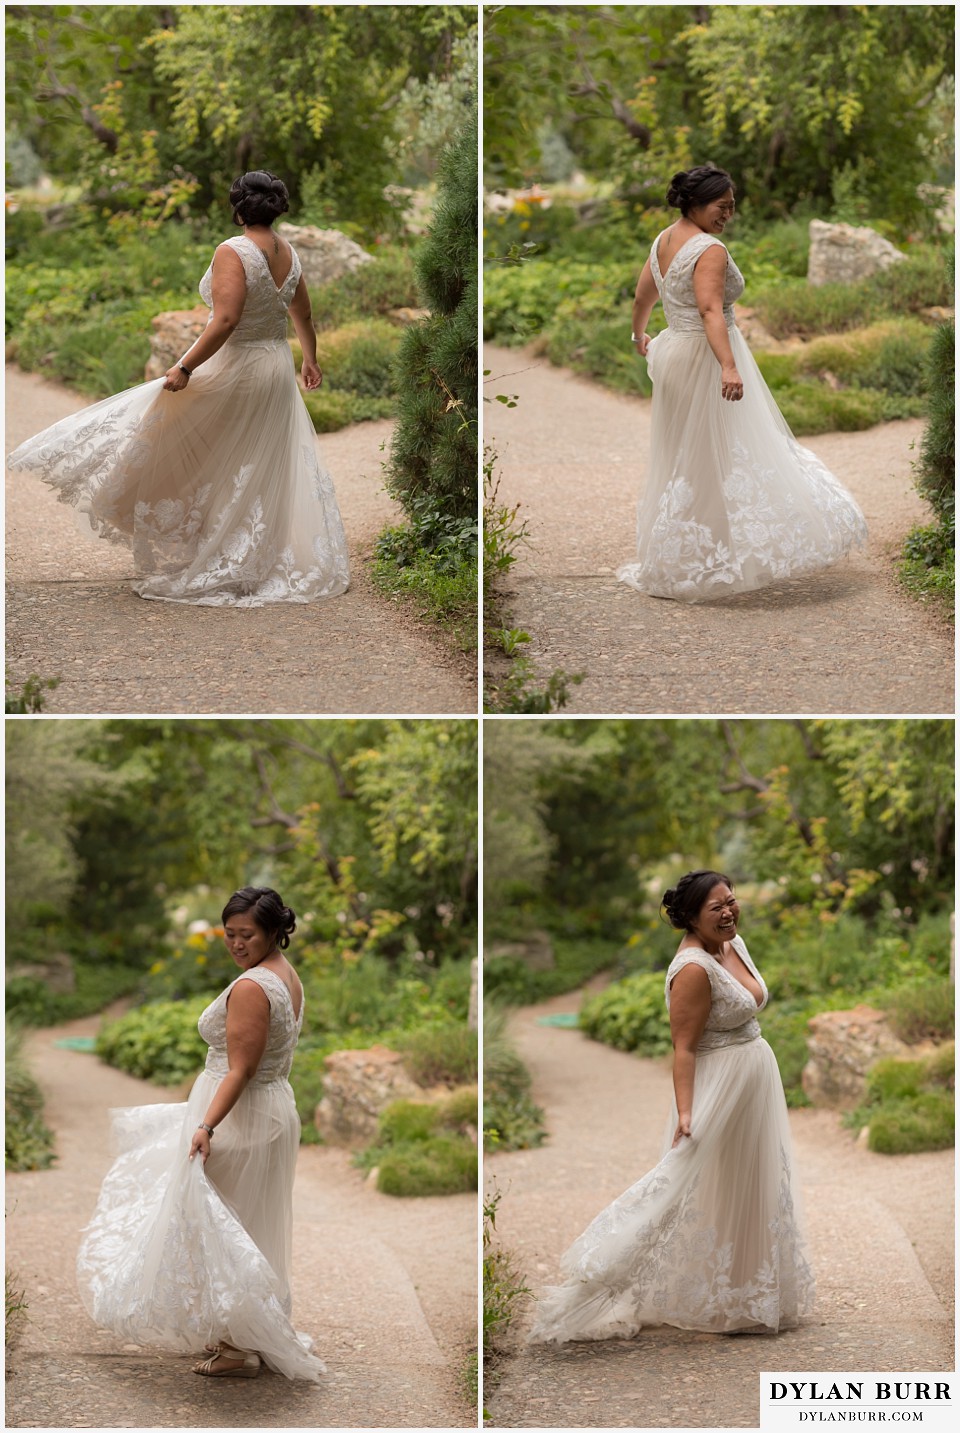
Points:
(440, 1054)
(441, 588)
(511, 1120)
(909, 1105)
(503, 1285)
(927, 568)
(28, 1141)
(510, 980)
(16, 1308)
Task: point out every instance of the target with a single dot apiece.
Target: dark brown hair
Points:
(276, 920)
(684, 901)
(701, 185)
(258, 197)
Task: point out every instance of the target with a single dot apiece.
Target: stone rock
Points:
(325, 254)
(357, 1087)
(843, 253)
(535, 950)
(56, 973)
(937, 313)
(843, 1046)
(406, 316)
(173, 333)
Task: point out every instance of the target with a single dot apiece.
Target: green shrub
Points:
(158, 1042)
(911, 1126)
(440, 1054)
(923, 1011)
(503, 1286)
(441, 584)
(630, 1015)
(28, 1141)
(388, 283)
(936, 472)
(510, 981)
(31, 1002)
(794, 308)
(358, 358)
(511, 1120)
(444, 1165)
(16, 1308)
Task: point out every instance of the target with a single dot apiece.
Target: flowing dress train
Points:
(217, 488)
(179, 1253)
(710, 1239)
(732, 501)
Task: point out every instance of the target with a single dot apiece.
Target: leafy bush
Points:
(427, 1148)
(511, 1120)
(794, 308)
(936, 474)
(157, 1042)
(503, 1285)
(358, 358)
(927, 567)
(630, 1015)
(28, 1141)
(909, 1105)
(388, 283)
(440, 1054)
(510, 980)
(923, 1012)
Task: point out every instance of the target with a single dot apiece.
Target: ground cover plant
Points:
(28, 1141)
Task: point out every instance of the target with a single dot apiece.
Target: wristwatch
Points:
(188, 371)
(208, 1128)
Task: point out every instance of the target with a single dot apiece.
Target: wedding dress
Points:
(732, 502)
(709, 1239)
(180, 1253)
(217, 488)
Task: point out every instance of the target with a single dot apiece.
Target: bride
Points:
(710, 1239)
(733, 502)
(210, 473)
(190, 1244)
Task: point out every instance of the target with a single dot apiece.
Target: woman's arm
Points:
(643, 301)
(709, 277)
(689, 1008)
(229, 286)
(248, 1025)
(302, 315)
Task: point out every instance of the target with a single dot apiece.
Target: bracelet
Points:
(184, 369)
(208, 1128)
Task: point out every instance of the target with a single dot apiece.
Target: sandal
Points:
(248, 1364)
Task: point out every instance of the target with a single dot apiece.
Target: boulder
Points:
(535, 950)
(325, 254)
(357, 1087)
(843, 1046)
(843, 253)
(173, 333)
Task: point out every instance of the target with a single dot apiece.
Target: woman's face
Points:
(712, 217)
(717, 921)
(245, 941)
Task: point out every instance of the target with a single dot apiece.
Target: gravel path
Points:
(881, 1231)
(845, 640)
(386, 1287)
(71, 613)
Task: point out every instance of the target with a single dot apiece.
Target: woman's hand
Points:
(731, 384)
(312, 377)
(174, 379)
(200, 1144)
(682, 1131)
(642, 343)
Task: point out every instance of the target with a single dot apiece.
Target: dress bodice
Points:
(733, 1010)
(282, 1038)
(676, 287)
(264, 317)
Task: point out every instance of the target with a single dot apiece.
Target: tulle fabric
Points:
(217, 488)
(732, 501)
(710, 1239)
(180, 1254)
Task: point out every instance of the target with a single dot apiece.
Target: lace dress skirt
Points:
(709, 1239)
(180, 1254)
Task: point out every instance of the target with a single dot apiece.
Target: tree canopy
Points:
(165, 105)
(800, 102)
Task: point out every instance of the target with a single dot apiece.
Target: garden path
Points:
(71, 613)
(880, 1228)
(845, 640)
(387, 1287)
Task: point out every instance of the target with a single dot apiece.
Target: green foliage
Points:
(31, 1002)
(15, 1301)
(511, 1120)
(630, 1015)
(792, 308)
(158, 1042)
(434, 452)
(432, 563)
(425, 1149)
(28, 1141)
(922, 1011)
(440, 1054)
(909, 1105)
(31, 697)
(358, 357)
(927, 568)
(503, 1285)
(370, 291)
(936, 474)
(511, 981)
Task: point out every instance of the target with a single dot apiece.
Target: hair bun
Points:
(678, 189)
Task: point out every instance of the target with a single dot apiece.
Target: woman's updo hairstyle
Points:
(276, 920)
(258, 197)
(701, 185)
(684, 901)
